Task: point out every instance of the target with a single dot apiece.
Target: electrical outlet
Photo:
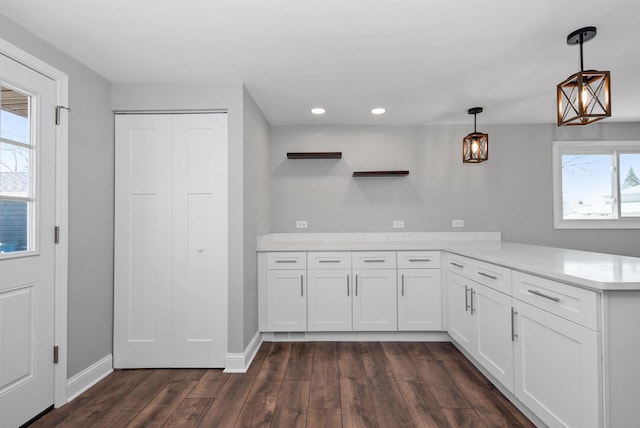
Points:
(398, 224)
(301, 224)
(457, 223)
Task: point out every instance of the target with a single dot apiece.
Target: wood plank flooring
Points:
(321, 384)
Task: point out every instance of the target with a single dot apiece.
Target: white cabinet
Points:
(557, 361)
(419, 291)
(330, 289)
(374, 297)
(285, 291)
(480, 320)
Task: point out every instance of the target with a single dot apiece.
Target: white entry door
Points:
(171, 245)
(27, 213)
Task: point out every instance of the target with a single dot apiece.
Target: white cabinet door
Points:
(557, 368)
(493, 347)
(375, 300)
(461, 327)
(329, 300)
(419, 300)
(286, 300)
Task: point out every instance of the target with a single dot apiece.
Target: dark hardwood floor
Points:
(321, 384)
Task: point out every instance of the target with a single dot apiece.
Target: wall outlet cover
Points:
(457, 223)
(301, 224)
(398, 224)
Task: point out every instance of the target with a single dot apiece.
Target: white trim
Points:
(89, 377)
(240, 362)
(357, 336)
(61, 212)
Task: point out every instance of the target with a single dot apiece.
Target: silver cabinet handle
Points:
(329, 261)
(374, 260)
(466, 298)
(286, 261)
(456, 264)
(537, 293)
(403, 284)
(513, 324)
(419, 260)
(302, 285)
(347, 285)
(356, 285)
(472, 293)
(487, 275)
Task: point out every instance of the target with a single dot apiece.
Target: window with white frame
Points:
(596, 184)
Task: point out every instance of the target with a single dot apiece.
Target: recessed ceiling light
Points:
(317, 110)
(378, 110)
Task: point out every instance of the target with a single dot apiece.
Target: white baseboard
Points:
(358, 336)
(88, 377)
(240, 362)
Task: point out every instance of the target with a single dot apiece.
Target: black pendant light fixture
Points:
(584, 97)
(475, 146)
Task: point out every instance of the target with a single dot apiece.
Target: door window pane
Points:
(14, 225)
(16, 194)
(586, 186)
(14, 116)
(629, 184)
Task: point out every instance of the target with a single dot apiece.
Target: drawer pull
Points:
(537, 293)
(419, 260)
(486, 275)
(329, 261)
(374, 260)
(286, 261)
(456, 265)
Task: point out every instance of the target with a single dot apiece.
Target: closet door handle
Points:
(302, 285)
(356, 285)
(537, 293)
(513, 324)
(403, 284)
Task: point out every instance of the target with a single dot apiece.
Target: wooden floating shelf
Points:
(314, 155)
(380, 173)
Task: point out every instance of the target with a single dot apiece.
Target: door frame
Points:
(61, 250)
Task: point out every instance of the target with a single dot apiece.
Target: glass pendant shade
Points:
(475, 148)
(585, 96)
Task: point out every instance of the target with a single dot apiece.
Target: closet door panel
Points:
(142, 331)
(199, 248)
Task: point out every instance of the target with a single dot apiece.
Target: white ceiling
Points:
(426, 61)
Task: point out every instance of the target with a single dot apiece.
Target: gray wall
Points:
(90, 285)
(257, 205)
(511, 193)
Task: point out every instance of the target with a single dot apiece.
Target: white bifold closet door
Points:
(171, 240)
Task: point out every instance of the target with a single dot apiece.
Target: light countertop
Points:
(595, 271)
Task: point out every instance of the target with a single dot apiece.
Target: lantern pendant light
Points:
(584, 97)
(475, 146)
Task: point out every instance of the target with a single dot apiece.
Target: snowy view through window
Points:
(588, 186)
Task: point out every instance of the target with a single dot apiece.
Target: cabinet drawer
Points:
(287, 260)
(374, 259)
(460, 265)
(569, 302)
(418, 259)
(329, 260)
(496, 277)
